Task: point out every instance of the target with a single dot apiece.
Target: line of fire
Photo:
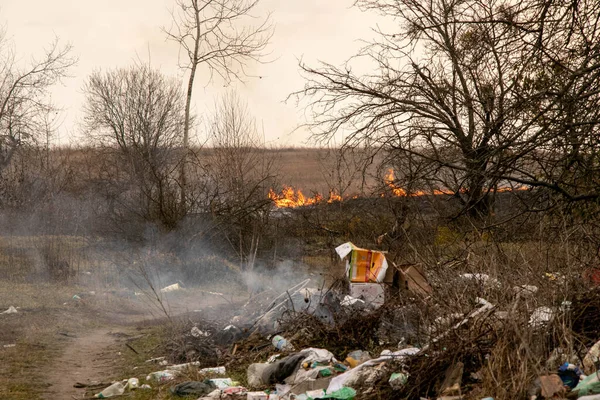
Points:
(293, 198)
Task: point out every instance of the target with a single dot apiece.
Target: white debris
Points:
(196, 332)
(340, 380)
(162, 376)
(6, 346)
(11, 310)
(156, 360)
(526, 290)
(215, 370)
(483, 278)
(349, 300)
(273, 358)
(540, 316)
(170, 288)
(179, 367)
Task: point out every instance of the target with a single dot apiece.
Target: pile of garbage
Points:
(386, 331)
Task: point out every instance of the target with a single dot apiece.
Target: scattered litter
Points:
(257, 396)
(179, 367)
(7, 346)
(355, 375)
(413, 280)
(345, 393)
(196, 332)
(363, 265)
(234, 390)
(116, 389)
(526, 290)
(11, 310)
(540, 317)
(591, 359)
(260, 375)
(357, 357)
(482, 278)
(398, 380)
(281, 343)
(170, 288)
(132, 383)
(222, 383)
(548, 386)
(588, 386)
(570, 374)
(76, 297)
(213, 370)
(452, 380)
(273, 358)
(349, 300)
(373, 294)
(193, 388)
(162, 376)
(313, 355)
(145, 386)
(156, 360)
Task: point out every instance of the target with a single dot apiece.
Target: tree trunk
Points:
(188, 104)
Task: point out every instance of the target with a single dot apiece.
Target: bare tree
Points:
(213, 35)
(136, 116)
(481, 89)
(345, 169)
(242, 173)
(24, 94)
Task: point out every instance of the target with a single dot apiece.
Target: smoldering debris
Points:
(441, 338)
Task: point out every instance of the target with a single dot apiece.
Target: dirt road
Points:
(90, 356)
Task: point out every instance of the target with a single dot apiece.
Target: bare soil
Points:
(89, 357)
(94, 354)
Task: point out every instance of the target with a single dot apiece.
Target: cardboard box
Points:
(363, 265)
(413, 280)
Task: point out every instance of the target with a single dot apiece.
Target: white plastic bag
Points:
(116, 389)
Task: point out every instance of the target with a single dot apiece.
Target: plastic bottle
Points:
(213, 370)
(179, 367)
(281, 343)
(116, 389)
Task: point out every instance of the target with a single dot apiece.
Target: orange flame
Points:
(389, 180)
(292, 198)
(333, 197)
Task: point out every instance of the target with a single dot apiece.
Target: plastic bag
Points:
(590, 385)
(116, 389)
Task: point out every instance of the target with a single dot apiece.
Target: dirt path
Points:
(90, 356)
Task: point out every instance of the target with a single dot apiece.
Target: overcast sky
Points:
(113, 33)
